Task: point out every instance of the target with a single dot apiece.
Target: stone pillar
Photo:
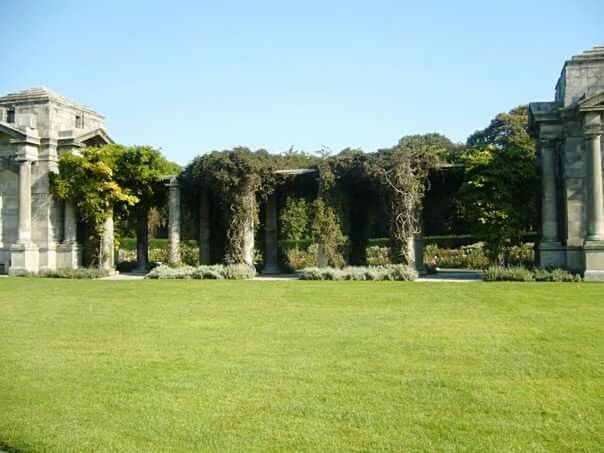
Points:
(550, 250)
(204, 228)
(24, 254)
(248, 229)
(594, 242)
(106, 252)
(70, 225)
(24, 231)
(174, 221)
(595, 198)
(69, 250)
(1, 221)
(271, 239)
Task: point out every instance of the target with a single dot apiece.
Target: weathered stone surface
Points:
(45, 123)
(569, 133)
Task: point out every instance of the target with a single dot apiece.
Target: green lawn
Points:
(306, 366)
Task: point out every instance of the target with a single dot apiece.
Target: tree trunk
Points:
(142, 241)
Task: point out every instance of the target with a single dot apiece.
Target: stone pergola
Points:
(271, 227)
(568, 132)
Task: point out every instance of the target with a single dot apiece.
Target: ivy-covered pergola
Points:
(234, 199)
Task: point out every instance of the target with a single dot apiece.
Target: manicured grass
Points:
(321, 366)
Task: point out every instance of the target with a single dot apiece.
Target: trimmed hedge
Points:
(156, 243)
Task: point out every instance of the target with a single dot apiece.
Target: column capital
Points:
(26, 152)
(592, 125)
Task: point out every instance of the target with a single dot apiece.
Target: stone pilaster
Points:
(24, 253)
(24, 231)
(174, 221)
(271, 243)
(248, 229)
(69, 250)
(204, 227)
(594, 241)
(550, 250)
(1, 221)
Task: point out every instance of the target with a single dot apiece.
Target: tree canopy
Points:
(501, 187)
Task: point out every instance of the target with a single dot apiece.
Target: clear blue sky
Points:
(194, 76)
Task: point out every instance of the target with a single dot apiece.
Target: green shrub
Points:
(464, 258)
(555, 275)
(521, 274)
(208, 273)
(301, 244)
(507, 274)
(398, 272)
(238, 272)
(378, 256)
(294, 218)
(83, 273)
(215, 272)
(297, 258)
(450, 241)
(522, 255)
(154, 243)
(166, 272)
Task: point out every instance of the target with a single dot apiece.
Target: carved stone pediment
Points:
(96, 137)
(593, 103)
(12, 132)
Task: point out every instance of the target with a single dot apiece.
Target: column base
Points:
(551, 254)
(594, 261)
(24, 258)
(68, 256)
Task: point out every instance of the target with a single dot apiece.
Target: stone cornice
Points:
(44, 95)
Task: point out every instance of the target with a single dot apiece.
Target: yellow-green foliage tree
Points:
(88, 179)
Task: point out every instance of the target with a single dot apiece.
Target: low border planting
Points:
(397, 272)
(522, 274)
(83, 273)
(215, 272)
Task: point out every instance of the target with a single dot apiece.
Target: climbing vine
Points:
(241, 180)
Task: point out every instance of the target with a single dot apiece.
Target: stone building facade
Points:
(36, 231)
(568, 132)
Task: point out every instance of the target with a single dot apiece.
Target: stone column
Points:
(1, 221)
(106, 252)
(550, 252)
(549, 202)
(204, 228)
(24, 253)
(70, 225)
(595, 197)
(248, 229)
(271, 244)
(69, 251)
(24, 231)
(174, 221)
(594, 241)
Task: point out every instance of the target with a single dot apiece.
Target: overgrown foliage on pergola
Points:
(392, 182)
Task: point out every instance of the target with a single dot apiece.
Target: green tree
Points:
(88, 180)
(141, 170)
(294, 219)
(501, 183)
